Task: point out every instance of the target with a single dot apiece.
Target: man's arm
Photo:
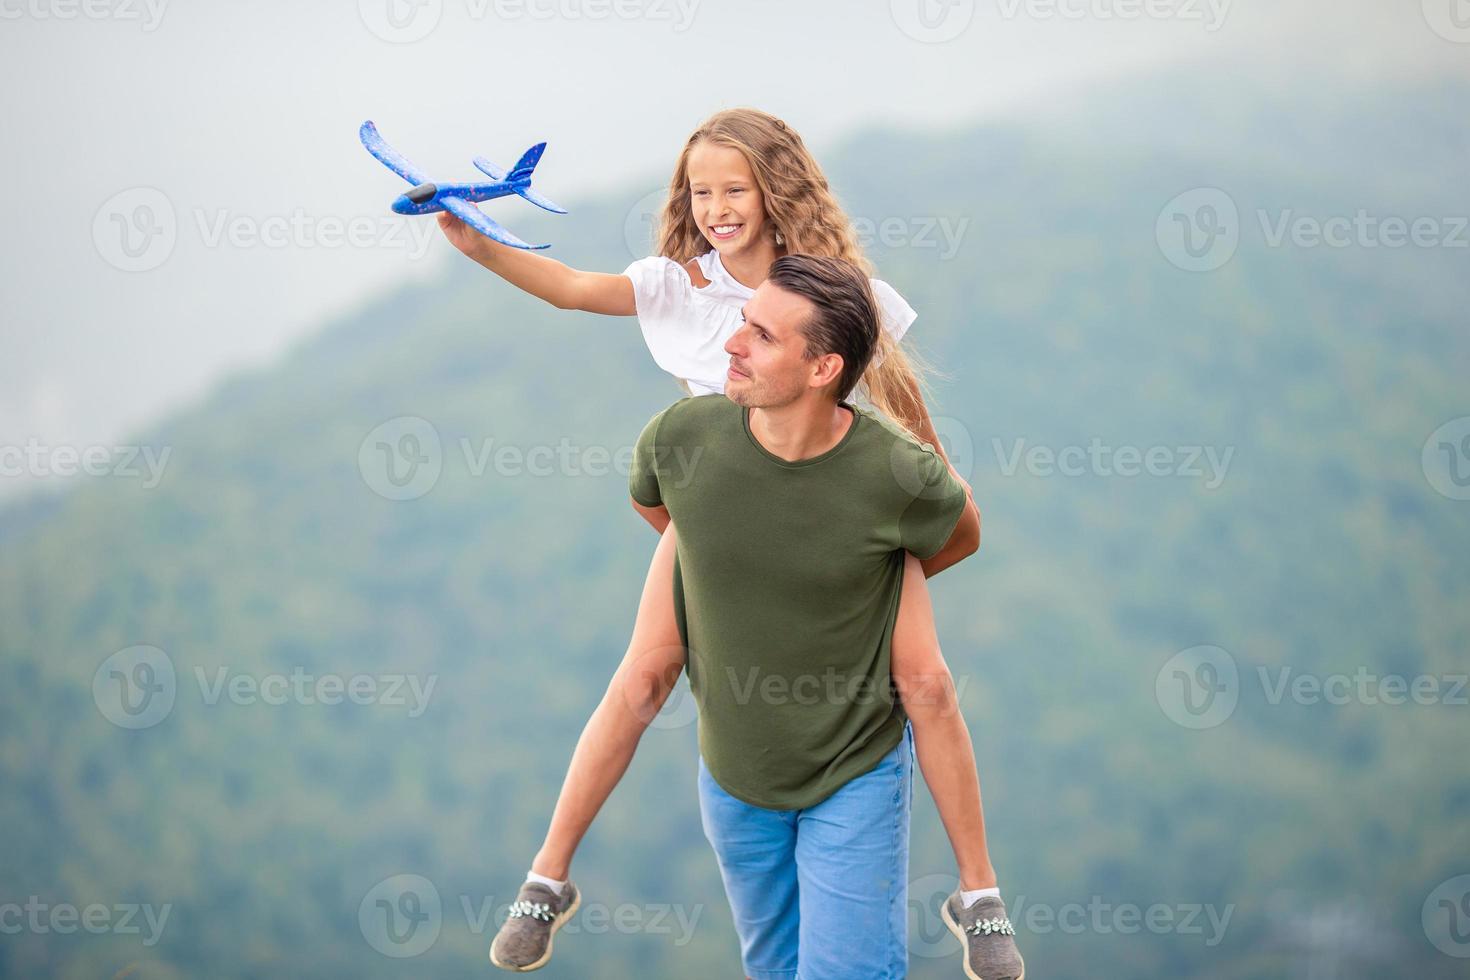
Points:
(963, 542)
(658, 516)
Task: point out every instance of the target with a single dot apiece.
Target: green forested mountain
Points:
(1317, 547)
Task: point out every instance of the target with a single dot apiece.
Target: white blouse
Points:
(686, 328)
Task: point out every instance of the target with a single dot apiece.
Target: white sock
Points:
(552, 883)
(970, 898)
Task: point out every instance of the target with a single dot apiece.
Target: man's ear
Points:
(825, 369)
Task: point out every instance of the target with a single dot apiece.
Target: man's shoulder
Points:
(891, 435)
(694, 415)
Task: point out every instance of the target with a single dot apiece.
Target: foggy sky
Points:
(241, 119)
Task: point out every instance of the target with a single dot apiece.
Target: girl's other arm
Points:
(541, 276)
(658, 516)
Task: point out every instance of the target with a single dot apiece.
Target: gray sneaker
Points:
(985, 931)
(524, 941)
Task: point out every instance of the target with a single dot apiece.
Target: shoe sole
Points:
(561, 920)
(959, 934)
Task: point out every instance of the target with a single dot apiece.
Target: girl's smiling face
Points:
(724, 198)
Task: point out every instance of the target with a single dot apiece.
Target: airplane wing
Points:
(481, 222)
(390, 157)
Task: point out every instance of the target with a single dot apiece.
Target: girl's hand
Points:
(462, 236)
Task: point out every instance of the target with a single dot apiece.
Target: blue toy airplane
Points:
(459, 199)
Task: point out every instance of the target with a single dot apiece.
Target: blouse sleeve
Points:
(894, 311)
(661, 294)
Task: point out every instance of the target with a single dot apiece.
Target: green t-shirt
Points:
(786, 588)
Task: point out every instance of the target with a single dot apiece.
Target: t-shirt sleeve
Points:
(643, 474)
(938, 503)
(661, 295)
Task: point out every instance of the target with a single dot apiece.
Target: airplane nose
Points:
(401, 205)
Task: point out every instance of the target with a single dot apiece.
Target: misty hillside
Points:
(1314, 375)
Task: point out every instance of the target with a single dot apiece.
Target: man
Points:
(794, 511)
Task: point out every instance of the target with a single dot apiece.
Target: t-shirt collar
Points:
(857, 417)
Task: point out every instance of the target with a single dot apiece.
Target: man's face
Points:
(767, 369)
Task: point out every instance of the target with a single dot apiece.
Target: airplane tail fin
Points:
(527, 163)
(521, 171)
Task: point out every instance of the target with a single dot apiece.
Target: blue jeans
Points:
(820, 893)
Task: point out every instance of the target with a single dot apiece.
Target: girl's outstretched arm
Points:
(543, 277)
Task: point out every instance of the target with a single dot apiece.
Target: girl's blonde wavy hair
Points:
(802, 211)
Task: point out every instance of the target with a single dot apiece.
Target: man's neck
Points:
(801, 430)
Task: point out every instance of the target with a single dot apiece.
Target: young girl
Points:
(744, 192)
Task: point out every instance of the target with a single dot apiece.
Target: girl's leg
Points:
(637, 691)
(941, 738)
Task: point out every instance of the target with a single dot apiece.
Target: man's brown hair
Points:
(845, 320)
